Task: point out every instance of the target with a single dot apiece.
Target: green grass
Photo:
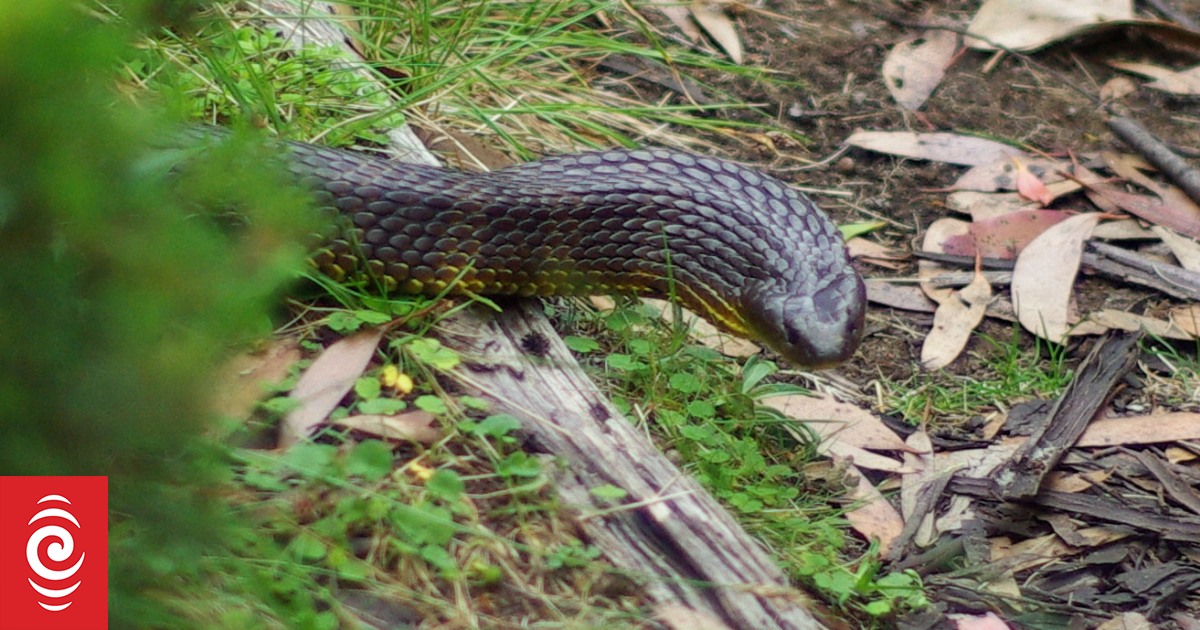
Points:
(1008, 374)
(466, 530)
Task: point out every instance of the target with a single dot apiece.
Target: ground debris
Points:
(1064, 534)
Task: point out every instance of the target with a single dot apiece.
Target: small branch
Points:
(1160, 155)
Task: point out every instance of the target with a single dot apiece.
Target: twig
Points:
(1171, 165)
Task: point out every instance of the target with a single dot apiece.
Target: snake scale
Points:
(734, 245)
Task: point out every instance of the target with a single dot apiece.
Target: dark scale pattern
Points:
(735, 245)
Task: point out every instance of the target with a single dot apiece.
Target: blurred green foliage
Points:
(120, 291)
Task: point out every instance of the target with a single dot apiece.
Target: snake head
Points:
(816, 329)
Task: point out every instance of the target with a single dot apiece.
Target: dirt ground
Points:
(837, 48)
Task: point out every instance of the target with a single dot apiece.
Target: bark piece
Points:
(669, 529)
(1104, 366)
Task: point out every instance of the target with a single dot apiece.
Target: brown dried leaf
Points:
(871, 252)
(838, 421)
(244, 378)
(951, 148)
(983, 206)
(1044, 277)
(1121, 320)
(986, 621)
(914, 67)
(1127, 621)
(1006, 235)
(936, 236)
(1122, 229)
(1031, 24)
(1186, 82)
(1151, 429)
(1187, 318)
(1001, 175)
(1076, 482)
(710, 15)
(874, 518)
(326, 381)
(970, 463)
(1186, 250)
(413, 426)
(1181, 217)
(680, 17)
(953, 323)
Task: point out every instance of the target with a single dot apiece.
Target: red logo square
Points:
(54, 553)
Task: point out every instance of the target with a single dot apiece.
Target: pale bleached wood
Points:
(668, 530)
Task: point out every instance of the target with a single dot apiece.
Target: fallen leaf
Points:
(326, 382)
(873, 517)
(1042, 550)
(1179, 217)
(951, 148)
(880, 255)
(1177, 455)
(1076, 482)
(413, 426)
(1004, 236)
(680, 17)
(1044, 277)
(953, 323)
(710, 15)
(1001, 175)
(1186, 317)
(1185, 82)
(983, 206)
(1127, 621)
(1149, 429)
(936, 236)
(1127, 165)
(972, 464)
(838, 421)
(1120, 320)
(1122, 229)
(1031, 24)
(986, 621)
(243, 380)
(914, 67)
(1030, 186)
(1186, 250)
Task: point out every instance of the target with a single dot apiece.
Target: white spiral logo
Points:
(59, 550)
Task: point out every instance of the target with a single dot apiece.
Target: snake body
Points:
(736, 246)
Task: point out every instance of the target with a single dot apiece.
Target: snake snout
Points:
(816, 331)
